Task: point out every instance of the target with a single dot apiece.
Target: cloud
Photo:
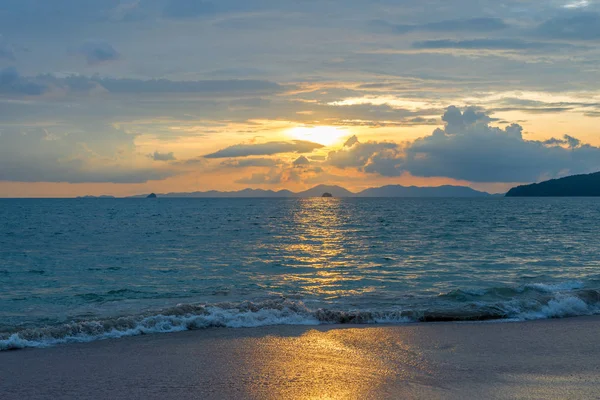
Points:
(102, 154)
(476, 25)
(529, 106)
(301, 161)
(188, 9)
(272, 178)
(469, 148)
(265, 149)
(577, 4)
(202, 86)
(251, 162)
(233, 72)
(567, 140)
(11, 83)
(457, 120)
(69, 173)
(477, 152)
(126, 11)
(157, 156)
(276, 176)
(6, 52)
(491, 44)
(98, 53)
(358, 155)
(574, 25)
(191, 162)
(36, 16)
(367, 113)
(243, 13)
(247, 104)
(351, 141)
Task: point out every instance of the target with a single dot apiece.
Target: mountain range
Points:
(576, 185)
(338, 191)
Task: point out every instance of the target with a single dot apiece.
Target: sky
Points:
(137, 96)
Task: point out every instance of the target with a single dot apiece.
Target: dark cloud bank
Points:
(13, 83)
(265, 149)
(469, 148)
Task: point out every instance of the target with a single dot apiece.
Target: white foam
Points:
(565, 306)
(90, 331)
(392, 319)
(556, 287)
(286, 312)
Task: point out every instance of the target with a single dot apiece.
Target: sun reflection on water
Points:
(318, 225)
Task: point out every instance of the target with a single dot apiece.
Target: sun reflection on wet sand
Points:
(337, 364)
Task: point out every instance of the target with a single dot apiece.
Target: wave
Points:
(533, 301)
(557, 287)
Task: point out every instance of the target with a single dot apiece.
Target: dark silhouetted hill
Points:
(576, 186)
(414, 191)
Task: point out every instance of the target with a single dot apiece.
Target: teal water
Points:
(85, 269)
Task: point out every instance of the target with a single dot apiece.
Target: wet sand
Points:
(552, 359)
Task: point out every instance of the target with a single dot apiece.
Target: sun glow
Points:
(325, 135)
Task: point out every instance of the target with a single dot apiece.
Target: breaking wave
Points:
(532, 301)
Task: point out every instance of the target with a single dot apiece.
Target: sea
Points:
(79, 270)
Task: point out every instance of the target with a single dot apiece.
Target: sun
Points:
(325, 135)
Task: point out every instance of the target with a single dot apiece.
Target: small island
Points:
(152, 196)
(575, 186)
(327, 195)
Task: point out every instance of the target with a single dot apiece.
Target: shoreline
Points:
(535, 359)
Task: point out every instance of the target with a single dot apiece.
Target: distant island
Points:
(152, 196)
(576, 186)
(337, 191)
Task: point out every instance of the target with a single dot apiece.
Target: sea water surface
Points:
(79, 270)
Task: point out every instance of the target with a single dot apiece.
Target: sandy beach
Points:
(522, 360)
